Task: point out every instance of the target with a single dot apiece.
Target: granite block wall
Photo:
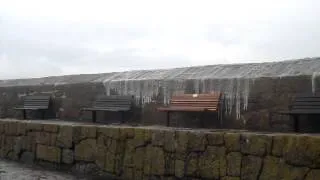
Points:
(161, 153)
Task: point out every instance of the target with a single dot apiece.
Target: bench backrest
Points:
(114, 102)
(36, 102)
(306, 103)
(207, 101)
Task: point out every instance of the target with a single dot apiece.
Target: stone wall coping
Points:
(154, 127)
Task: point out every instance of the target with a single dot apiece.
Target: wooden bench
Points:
(120, 104)
(40, 103)
(303, 105)
(193, 103)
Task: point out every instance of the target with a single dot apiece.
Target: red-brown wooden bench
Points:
(193, 103)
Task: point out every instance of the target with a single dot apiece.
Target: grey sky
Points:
(41, 38)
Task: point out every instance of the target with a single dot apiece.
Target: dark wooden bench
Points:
(303, 105)
(40, 103)
(193, 103)
(120, 104)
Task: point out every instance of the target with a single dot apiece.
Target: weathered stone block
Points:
(179, 168)
(29, 142)
(128, 154)
(17, 146)
(64, 138)
(169, 141)
(100, 155)
(33, 126)
(48, 153)
(154, 162)
(138, 158)
(279, 143)
(2, 123)
(7, 145)
(303, 151)
(192, 165)
(112, 145)
(272, 168)
(127, 173)
(250, 167)
(230, 178)
(21, 128)
(169, 164)
(181, 142)
(126, 133)
(223, 166)
(53, 128)
(110, 162)
(158, 136)
(67, 156)
(85, 150)
(210, 162)
(147, 135)
(254, 144)
(139, 133)
(111, 132)
(10, 128)
(232, 141)
(138, 174)
(83, 132)
(215, 138)
(46, 138)
(314, 174)
(291, 172)
(197, 141)
(234, 164)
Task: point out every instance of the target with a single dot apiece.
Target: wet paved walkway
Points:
(14, 171)
(11, 170)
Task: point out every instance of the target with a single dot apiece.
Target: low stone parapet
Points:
(159, 152)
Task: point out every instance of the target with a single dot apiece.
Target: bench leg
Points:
(42, 114)
(168, 118)
(24, 114)
(296, 123)
(201, 119)
(94, 116)
(122, 117)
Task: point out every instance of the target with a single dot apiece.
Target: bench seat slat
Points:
(305, 107)
(106, 109)
(297, 112)
(111, 103)
(194, 103)
(191, 109)
(35, 103)
(308, 99)
(306, 103)
(30, 108)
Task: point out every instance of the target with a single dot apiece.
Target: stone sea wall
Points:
(161, 153)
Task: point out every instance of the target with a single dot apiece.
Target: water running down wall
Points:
(233, 80)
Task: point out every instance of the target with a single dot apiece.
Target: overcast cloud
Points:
(41, 38)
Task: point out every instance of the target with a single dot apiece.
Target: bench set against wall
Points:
(200, 103)
(302, 105)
